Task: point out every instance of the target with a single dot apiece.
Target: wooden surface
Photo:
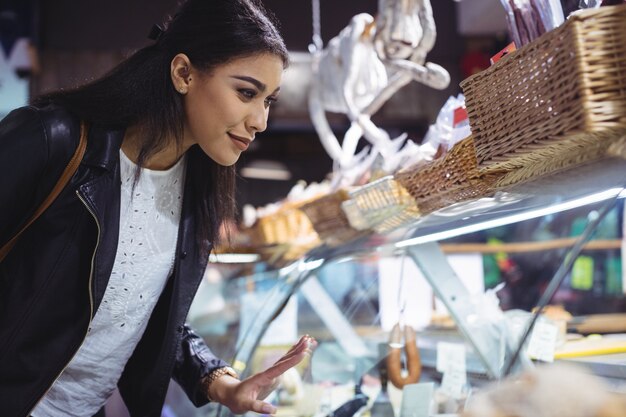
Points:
(529, 246)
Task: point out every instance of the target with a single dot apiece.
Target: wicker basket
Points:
(566, 155)
(567, 85)
(329, 220)
(380, 201)
(451, 179)
(617, 148)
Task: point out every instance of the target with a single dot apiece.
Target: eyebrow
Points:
(258, 84)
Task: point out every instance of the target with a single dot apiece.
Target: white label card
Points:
(450, 356)
(453, 382)
(416, 399)
(542, 342)
(451, 362)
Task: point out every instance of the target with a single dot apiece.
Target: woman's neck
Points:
(162, 160)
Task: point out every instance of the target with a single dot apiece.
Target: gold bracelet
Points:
(214, 375)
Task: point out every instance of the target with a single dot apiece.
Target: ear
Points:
(180, 71)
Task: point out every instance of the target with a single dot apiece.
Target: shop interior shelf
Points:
(593, 183)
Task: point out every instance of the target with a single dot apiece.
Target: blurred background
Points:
(70, 42)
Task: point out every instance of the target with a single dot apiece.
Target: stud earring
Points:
(181, 90)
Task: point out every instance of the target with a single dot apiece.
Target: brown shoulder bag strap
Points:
(68, 172)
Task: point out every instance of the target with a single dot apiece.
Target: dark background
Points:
(81, 40)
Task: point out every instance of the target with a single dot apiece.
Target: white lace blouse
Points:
(149, 218)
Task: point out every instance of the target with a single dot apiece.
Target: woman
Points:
(95, 293)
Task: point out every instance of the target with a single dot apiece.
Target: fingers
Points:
(284, 364)
(302, 343)
(267, 390)
(306, 344)
(262, 407)
(292, 358)
(295, 355)
(266, 381)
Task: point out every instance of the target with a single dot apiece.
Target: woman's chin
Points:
(225, 160)
(230, 161)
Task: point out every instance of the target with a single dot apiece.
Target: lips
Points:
(240, 142)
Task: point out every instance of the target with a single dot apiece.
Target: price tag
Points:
(451, 361)
(506, 50)
(542, 342)
(450, 355)
(416, 399)
(453, 382)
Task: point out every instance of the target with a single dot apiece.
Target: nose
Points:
(257, 120)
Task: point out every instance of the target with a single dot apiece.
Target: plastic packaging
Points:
(529, 19)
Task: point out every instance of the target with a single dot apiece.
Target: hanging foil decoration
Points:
(359, 70)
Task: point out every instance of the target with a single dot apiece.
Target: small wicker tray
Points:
(329, 220)
(402, 219)
(383, 200)
(451, 179)
(567, 85)
(566, 155)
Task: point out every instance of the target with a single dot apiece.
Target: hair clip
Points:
(156, 32)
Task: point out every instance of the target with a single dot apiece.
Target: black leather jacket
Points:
(53, 280)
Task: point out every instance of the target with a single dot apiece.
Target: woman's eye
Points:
(270, 100)
(249, 94)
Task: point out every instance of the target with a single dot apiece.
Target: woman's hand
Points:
(248, 395)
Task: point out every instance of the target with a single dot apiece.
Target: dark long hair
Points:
(139, 91)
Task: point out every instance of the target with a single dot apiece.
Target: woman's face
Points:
(228, 106)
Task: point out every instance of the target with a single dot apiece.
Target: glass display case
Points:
(466, 277)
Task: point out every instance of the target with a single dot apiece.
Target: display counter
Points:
(348, 296)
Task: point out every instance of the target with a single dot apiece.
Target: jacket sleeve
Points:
(194, 360)
(24, 155)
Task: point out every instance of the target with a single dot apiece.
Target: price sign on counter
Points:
(542, 342)
(450, 355)
(453, 382)
(416, 399)
(451, 362)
